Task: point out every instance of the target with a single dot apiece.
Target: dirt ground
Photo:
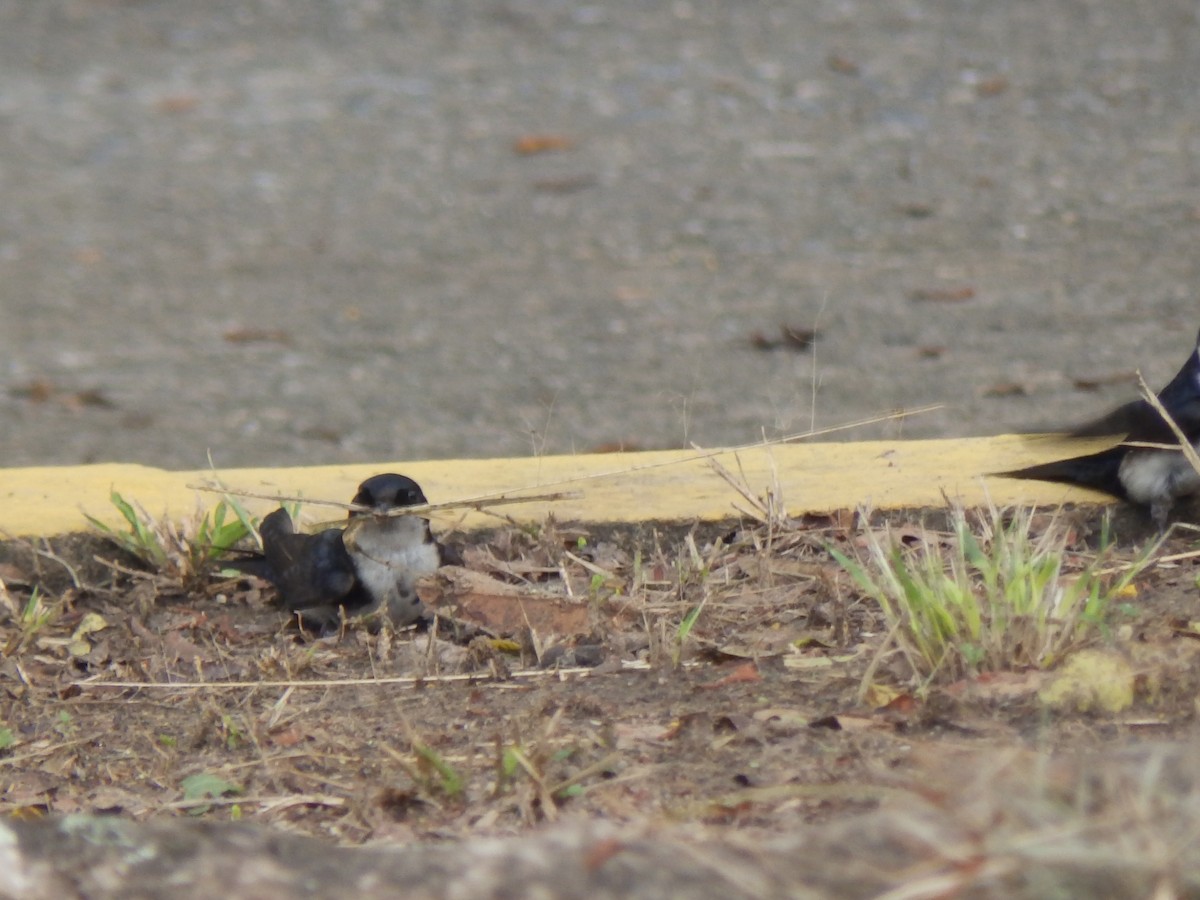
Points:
(773, 715)
(353, 231)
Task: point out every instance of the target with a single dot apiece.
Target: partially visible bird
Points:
(313, 574)
(374, 562)
(1150, 477)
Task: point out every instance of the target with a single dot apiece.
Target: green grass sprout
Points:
(184, 553)
(1006, 596)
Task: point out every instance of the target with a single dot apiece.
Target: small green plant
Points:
(1005, 598)
(538, 772)
(234, 736)
(36, 614)
(205, 786)
(29, 618)
(183, 552)
(65, 724)
(434, 773)
(691, 568)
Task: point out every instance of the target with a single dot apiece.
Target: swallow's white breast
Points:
(1156, 475)
(389, 556)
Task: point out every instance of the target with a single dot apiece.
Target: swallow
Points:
(1148, 477)
(390, 552)
(373, 563)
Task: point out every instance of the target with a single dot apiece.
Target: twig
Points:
(498, 499)
(273, 802)
(579, 671)
(24, 757)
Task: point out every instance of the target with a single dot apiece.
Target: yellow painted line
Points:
(627, 487)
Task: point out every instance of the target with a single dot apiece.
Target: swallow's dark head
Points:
(389, 491)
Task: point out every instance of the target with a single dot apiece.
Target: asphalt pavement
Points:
(311, 232)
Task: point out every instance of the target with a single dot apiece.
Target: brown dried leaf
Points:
(257, 336)
(1007, 389)
(531, 144)
(843, 65)
(501, 607)
(992, 86)
(1124, 376)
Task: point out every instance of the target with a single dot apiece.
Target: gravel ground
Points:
(322, 232)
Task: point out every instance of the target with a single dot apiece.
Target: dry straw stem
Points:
(1185, 445)
(515, 495)
(407, 680)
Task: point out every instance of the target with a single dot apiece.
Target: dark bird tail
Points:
(1099, 471)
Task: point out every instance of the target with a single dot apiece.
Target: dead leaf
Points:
(943, 295)
(797, 661)
(531, 144)
(501, 607)
(628, 736)
(880, 695)
(257, 336)
(42, 390)
(89, 624)
(843, 65)
(1098, 381)
(178, 647)
(174, 104)
(10, 574)
(992, 86)
(567, 185)
(1091, 680)
(791, 337)
(288, 737)
(88, 397)
(39, 390)
(743, 673)
(1007, 389)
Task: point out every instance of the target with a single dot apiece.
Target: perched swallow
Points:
(373, 563)
(391, 552)
(1154, 478)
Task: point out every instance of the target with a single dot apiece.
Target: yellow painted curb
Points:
(674, 485)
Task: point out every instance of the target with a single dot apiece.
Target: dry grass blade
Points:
(759, 509)
(1185, 445)
(411, 680)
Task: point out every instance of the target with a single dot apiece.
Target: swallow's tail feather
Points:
(1099, 471)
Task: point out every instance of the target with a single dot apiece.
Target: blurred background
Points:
(297, 232)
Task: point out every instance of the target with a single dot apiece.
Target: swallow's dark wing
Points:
(1139, 421)
(1118, 423)
(1181, 399)
(309, 570)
